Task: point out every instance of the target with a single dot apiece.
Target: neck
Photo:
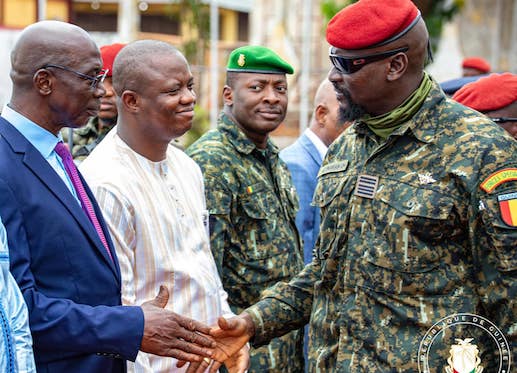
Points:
(153, 150)
(260, 140)
(33, 112)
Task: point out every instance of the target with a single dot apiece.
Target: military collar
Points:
(239, 140)
(422, 126)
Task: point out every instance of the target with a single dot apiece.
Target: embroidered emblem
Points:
(242, 60)
(464, 357)
(497, 178)
(249, 190)
(508, 207)
(366, 186)
(426, 179)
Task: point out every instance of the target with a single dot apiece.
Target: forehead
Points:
(247, 78)
(170, 65)
(85, 53)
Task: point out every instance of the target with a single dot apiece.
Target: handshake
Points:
(168, 334)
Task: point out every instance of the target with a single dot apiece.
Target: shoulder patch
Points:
(497, 178)
(333, 167)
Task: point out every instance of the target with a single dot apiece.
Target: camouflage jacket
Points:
(252, 205)
(429, 241)
(85, 138)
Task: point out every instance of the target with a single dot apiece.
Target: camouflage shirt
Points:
(429, 241)
(252, 205)
(85, 138)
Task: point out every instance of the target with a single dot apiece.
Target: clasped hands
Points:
(169, 334)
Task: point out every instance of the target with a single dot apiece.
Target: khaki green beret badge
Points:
(242, 60)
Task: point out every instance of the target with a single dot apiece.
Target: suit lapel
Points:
(311, 149)
(34, 161)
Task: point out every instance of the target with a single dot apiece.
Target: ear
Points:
(227, 96)
(321, 112)
(130, 101)
(43, 81)
(397, 67)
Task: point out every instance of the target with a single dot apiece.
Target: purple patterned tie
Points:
(86, 204)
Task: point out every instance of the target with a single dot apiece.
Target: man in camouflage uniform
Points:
(419, 216)
(86, 138)
(250, 196)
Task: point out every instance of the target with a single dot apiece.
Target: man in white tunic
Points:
(152, 194)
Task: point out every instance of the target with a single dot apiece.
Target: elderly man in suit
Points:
(304, 159)
(61, 252)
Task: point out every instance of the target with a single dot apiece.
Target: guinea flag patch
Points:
(508, 207)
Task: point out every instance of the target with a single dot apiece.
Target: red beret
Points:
(489, 93)
(477, 63)
(108, 54)
(371, 23)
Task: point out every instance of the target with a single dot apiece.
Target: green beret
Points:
(257, 59)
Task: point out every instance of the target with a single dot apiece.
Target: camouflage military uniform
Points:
(85, 138)
(429, 244)
(252, 205)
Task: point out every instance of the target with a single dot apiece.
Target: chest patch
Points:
(508, 207)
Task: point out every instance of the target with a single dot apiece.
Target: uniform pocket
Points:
(259, 222)
(408, 239)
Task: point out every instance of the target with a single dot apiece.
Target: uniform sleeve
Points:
(218, 200)
(495, 236)
(223, 296)
(284, 306)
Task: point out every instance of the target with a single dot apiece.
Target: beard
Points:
(351, 111)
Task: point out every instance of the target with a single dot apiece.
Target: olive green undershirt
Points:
(384, 125)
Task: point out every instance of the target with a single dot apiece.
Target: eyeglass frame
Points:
(95, 80)
(503, 119)
(358, 62)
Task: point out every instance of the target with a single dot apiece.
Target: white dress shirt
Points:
(157, 217)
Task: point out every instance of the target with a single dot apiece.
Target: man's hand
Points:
(169, 334)
(240, 362)
(231, 336)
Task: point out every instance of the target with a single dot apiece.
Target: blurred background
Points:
(207, 30)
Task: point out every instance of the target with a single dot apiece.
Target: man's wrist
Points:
(250, 325)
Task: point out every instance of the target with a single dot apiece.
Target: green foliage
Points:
(196, 16)
(435, 12)
(200, 125)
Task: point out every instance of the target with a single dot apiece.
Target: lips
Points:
(270, 114)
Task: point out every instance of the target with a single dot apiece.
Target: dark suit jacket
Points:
(304, 161)
(70, 285)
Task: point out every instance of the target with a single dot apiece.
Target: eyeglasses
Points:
(95, 80)
(503, 120)
(349, 65)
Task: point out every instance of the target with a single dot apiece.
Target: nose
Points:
(188, 96)
(271, 95)
(99, 90)
(334, 75)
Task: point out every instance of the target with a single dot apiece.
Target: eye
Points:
(281, 88)
(256, 88)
